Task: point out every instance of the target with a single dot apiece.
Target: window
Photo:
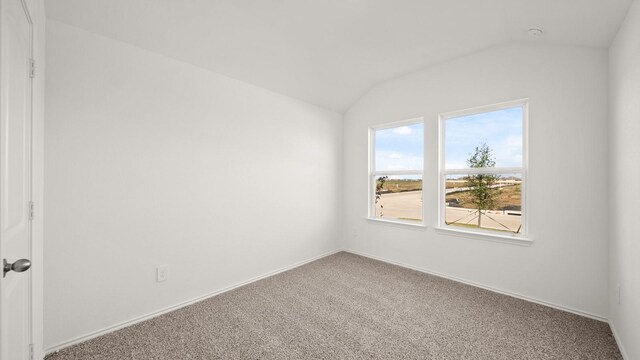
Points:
(395, 177)
(483, 168)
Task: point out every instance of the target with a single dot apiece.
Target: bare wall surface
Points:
(150, 161)
(567, 263)
(624, 66)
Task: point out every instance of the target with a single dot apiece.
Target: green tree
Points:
(482, 192)
(379, 187)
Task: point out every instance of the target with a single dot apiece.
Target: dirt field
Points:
(507, 198)
(395, 186)
(408, 206)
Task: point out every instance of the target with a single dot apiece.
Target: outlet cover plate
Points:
(162, 273)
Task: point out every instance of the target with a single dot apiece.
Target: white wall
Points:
(624, 66)
(150, 161)
(567, 263)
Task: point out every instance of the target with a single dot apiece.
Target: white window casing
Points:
(481, 233)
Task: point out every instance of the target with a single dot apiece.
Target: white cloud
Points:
(389, 160)
(402, 130)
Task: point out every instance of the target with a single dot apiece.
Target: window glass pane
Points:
(399, 197)
(400, 148)
(500, 131)
(487, 201)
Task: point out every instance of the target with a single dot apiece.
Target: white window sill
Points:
(401, 224)
(508, 239)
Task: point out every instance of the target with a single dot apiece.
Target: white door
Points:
(15, 179)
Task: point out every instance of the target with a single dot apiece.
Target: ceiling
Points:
(330, 52)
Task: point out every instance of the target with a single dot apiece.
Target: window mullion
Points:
(398, 172)
(493, 170)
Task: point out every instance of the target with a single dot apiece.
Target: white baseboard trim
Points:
(136, 320)
(482, 286)
(617, 337)
(153, 314)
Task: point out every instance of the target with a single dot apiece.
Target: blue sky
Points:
(501, 130)
(401, 148)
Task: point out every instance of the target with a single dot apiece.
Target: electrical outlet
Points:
(162, 272)
(619, 294)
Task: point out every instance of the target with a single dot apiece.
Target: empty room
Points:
(319, 179)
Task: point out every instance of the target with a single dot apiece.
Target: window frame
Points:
(487, 234)
(373, 174)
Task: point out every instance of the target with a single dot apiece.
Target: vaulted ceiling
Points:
(330, 52)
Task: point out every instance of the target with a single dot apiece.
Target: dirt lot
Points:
(395, 186)
(507, 198)
(408, 206)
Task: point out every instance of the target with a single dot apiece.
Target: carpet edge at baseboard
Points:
(616, 336)
(180, 305)
(482, 286)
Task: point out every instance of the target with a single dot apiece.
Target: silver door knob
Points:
(18, 266)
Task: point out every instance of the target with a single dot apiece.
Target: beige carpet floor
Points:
(350, 307)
